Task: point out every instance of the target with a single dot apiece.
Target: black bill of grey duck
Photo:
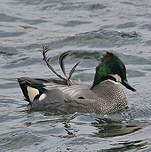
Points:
(104, 96)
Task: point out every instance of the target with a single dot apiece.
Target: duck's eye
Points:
(81, 98)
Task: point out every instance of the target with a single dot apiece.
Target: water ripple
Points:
(88, 29)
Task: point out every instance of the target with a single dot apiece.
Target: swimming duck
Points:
(105, 96)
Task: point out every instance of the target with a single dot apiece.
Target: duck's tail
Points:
(31, 88)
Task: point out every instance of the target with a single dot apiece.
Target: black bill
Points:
(125, 83)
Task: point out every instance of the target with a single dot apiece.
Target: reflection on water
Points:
(88, 29)
(109, 128)
(127, 146)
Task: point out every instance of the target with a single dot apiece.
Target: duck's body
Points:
(103, 97)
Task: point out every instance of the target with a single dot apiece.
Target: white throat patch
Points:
(117, 77)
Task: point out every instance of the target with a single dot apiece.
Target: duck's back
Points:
(107, 97)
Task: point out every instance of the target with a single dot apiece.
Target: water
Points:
(88, 28)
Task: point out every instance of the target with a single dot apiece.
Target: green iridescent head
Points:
(111, 67)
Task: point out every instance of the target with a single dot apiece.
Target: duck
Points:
(105, 96)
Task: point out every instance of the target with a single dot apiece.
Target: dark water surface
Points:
(88, 28)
